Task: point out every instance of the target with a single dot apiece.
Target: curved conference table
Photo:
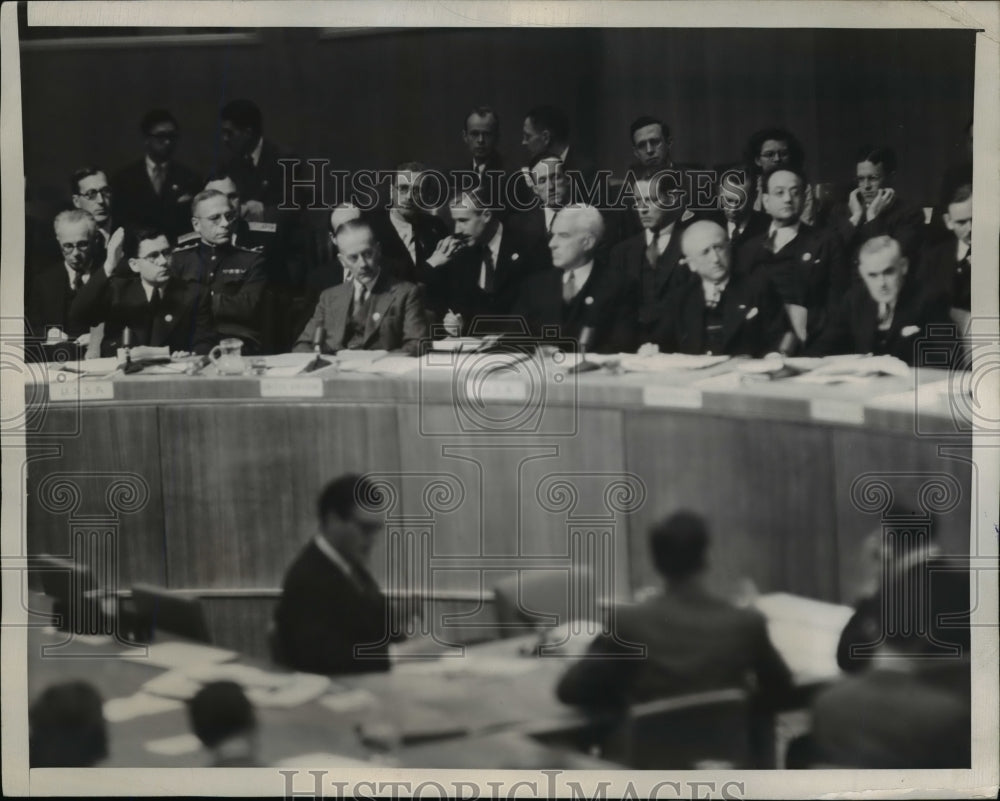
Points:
(491, 468)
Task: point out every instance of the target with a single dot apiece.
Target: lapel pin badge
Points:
(588, 300)
(806, 256)
(752, 313)
(168, 318)
(376, 316)
(515, 256)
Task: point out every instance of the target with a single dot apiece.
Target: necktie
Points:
(154, 299)
(569, 287)
(77, 281)
(158, 177)
(731, 228)
(360, 313)
(967, 261)
(884, 316)
(552, 219)
(712, 295)
(652, 252)
(772, 241)
(407, 236)
(489, 269)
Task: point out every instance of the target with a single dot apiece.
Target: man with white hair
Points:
(52, 289)
(885, 313)
(721, 312)
(580, 294)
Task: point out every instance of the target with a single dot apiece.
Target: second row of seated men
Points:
(737, 281)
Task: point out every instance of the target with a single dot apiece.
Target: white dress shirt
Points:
(255, 153)
(580, 276)
(713, 291)
(963, 250)
(783, 234)
(405, 231)
(333, 554)
(72, 274)
(662, 238)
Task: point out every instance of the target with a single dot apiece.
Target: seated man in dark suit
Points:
(546, 130)
(805, 264)
(158, 308)
(93, 194)
(482, 277)
(156, 192)
(407, 233)
(770, 148)
(484, 169)
(694, 641)
(911, 707)
(874, 208)
(737, 193)
(67, 728)
(719, 311)
(580, 297)
(50, 293)
(887, 313)
(372, 309)
(253, 160)
(948, 266)
(547, 180)
(651, 259)
(332, 616)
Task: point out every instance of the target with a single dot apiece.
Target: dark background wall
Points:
(369, 100)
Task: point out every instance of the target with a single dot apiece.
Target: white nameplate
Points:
(291, 388)
(673, 397)
(81, 390)
(498, 391)
(837, 411)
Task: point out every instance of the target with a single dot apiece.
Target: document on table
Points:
(174, 746)
(353, 700)
(321, 759)
(854, 368)
(138, 705)
(662, 362)
(389, 365)
(181, 654)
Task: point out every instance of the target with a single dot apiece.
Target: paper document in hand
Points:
(181, 654)
(138, 705)
(658, 362)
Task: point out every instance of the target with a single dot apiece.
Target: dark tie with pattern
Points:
(360, 313)
(652, 252)
(489, 267)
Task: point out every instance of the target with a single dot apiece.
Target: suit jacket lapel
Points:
(666, 262)
(734, 313)
(380, 301)
(867, 324)
(693, 320)
(340, 301)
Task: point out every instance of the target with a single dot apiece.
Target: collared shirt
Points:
(359, 285)
(662, 238)
(562, 156)
(549, 214)
(333, 555)
(494, 246)
(148, 289)
(84, 276)
(885, 312)
(713, 291)
(255, 154)
(782, 234)
(963, 250)
(406, 234)
(580, 276)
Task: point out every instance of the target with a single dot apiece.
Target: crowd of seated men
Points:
(748, 258)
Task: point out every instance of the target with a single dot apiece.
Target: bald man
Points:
(887, 313)
(580, 293)
(721, 312)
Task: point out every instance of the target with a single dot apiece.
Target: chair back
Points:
(534, 599)
(700, 731)
(159, 609)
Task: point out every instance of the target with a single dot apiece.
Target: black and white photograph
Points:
(500, 400)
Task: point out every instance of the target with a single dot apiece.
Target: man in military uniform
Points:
(234, 275)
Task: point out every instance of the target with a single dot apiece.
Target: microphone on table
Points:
(583, 366)
(318, 336)
(130, 366)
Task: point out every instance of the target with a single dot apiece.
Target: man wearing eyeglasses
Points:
(156, 190)
(92, 194)
(53, 288)
(234, 276)
(159, 309)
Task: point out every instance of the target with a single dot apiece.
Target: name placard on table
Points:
(291, 388)
(64, 391)
(672, 397)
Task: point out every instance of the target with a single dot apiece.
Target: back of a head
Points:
(345, 493)
(551, 119)
(219, 711)
(678, 545)
(67, 728)
(243, 113)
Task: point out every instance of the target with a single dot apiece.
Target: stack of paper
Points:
(181, 655)
(664, 362)
(853, 368)
(389, 365)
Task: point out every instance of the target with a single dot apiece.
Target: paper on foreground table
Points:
(181, 655)
(140, 704)
(663, 362)
(853, 368)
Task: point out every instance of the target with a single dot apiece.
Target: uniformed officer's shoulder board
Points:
(188, 239)
(257, 250)
(263, 227)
